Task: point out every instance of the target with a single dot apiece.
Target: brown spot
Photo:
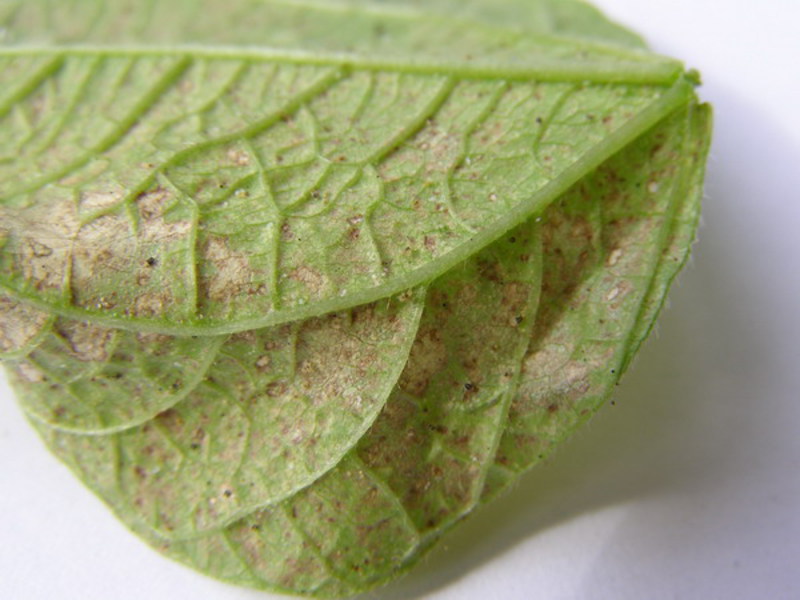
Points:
(28, 372)
(151, 304)
(286, 232)
(170, 419)
(92, 201)
(356, 220)
(88, 342)
(152, 339)
(491, 271)
(238, 157)
(312, 279)
(428, 356)
(515, 298)
(229, 273)
(46, 234)
(152, 204)
(19, 324)
(277, 389)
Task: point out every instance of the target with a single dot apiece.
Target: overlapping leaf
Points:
(278, 408)
(220, 223)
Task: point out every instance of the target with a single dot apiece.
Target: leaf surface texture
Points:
(296, 285)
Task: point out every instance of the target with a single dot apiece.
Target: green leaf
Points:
(418, 469)
(92, 379)
(618, 255)
(223, 188)
(277, 409)
(294, 286)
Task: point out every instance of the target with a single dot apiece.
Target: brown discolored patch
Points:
(104, 245)
(614, 257)
(88, 342)
(277, 389)
(171, 420)
(154, 226)
(30, 373)
(263, 363)
(312, 279)
(229, 273)
(44, 248)
(152, 339)
(349, 338)
(151, 304)
(19, 324)
(151, 204)
(94, 201)
(616, 295)
(515, 299)
(238, 157)
(491, 270)
(427, 358)
(286, 232)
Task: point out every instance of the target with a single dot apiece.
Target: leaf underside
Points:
(295, 286)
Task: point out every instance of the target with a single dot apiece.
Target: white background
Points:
(689, 487)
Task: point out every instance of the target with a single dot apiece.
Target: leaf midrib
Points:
(664, 72)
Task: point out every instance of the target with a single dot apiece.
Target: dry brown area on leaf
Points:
(19, 324)
(349, 338)
(42, 241)
(428, 356)
(315, 282)
(227, 274)
(154, 225)
(102, 248)
(29, 372)
(88, 342)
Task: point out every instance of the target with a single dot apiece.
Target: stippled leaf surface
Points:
(278, 408)
(21, 327)
(92, 379)
(418, 469)
(227, 187)
(296, 285)
(607, 269)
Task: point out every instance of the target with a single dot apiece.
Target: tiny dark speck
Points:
(152, 262)
(468, 386)
(518, 319)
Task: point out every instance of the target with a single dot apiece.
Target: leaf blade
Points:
(225, 177)
(144, 212)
